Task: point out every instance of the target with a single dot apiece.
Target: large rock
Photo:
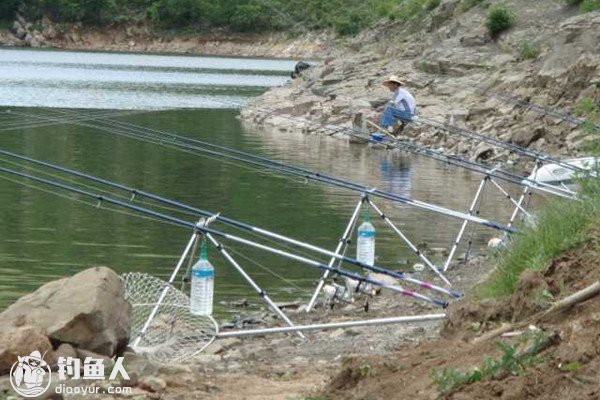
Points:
(21, 341)
(87, 310)
(525, 136)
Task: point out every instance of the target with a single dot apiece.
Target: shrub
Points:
(90, 11)
(175, 13)
(349, 25)
(499, 19)
(8, 9)
(252, 18)
(589, 6)
(528, 51)
(432, 4)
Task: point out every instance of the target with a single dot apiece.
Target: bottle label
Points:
(366, 234)
(203, 273)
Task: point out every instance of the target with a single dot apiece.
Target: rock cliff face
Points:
(455, 70)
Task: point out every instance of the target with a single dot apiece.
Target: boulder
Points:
(87, 310)
(21, 341)
(524, 137)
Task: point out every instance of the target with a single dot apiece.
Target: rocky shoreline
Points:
(454, 68)
(276, 366)
(143, 39)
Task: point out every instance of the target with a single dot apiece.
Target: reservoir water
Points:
(45, 235)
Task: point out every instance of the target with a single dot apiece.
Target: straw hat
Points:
(394, 79)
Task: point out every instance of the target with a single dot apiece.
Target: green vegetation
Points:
(528, 51)
(431, 5)
(585, 5)
(560, 226)
(468, 4)
(511, 362)
(589, 110)
(346, 17)
(498, 20)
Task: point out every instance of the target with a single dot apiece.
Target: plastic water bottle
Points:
(365, 245)
(203, 281)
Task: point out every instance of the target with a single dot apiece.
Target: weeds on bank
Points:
(528, 51)
(585, 5)
(468, 4)
(511, 362)
(560, 226)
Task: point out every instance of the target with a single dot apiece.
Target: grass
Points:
(528, 51)
(561, 226)
(468, 4)
(449, 379)
(585, 6)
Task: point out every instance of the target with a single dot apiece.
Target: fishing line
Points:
(546, 111)
(218, 217)
(138, 200)
(413, 148)
(216, 233)
(30, 125)
(341, 183)
(265, 268)
(94, 205)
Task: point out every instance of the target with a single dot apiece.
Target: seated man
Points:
(402, 106)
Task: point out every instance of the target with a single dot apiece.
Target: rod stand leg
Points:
(344, 240)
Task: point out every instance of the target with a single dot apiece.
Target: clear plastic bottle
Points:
(203, 281)
(365, 244)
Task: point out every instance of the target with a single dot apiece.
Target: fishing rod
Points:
(309, 175)
(559, 114)
(470, 166)
(210, 231)
(420, 150)
(439, 156)
(234, 223)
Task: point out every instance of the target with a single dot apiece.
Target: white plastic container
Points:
(202, 288)
(365, 244)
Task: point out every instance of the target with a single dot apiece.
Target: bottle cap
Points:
(366, 214)
(203, 250)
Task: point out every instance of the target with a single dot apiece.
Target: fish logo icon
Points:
(30, 376)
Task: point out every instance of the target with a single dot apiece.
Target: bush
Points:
(589, 6)
(90, 11)
(499, 19)
(528, 51)
(252, 18)
(175, 13)
(432, 4)
(349, 25)
(8, 9)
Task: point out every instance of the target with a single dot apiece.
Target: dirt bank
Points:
(564, 364)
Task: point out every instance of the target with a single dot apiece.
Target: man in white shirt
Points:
(402, 105)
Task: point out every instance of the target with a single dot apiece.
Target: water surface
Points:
(45, 235)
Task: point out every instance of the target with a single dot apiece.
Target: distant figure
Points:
(402, 106)
(300, 66)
